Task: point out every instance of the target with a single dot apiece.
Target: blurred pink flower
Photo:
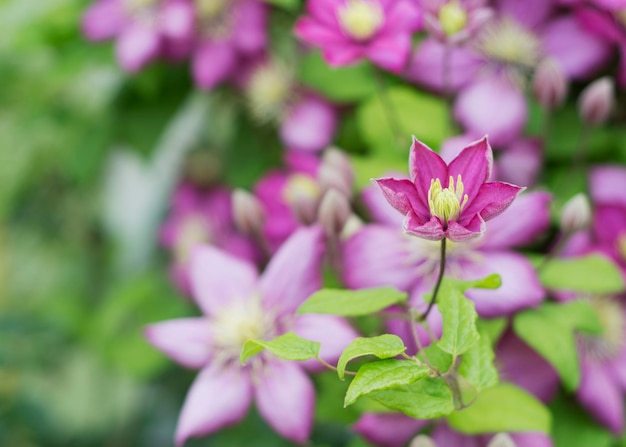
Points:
(239, 305)
(350, 30)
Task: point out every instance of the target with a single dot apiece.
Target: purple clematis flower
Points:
(448, 201)
(239, 305)
(350, 30)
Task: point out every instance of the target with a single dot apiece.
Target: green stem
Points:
(389, 109)
(442, 268)
(334, 368)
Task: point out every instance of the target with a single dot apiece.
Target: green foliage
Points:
(477, 364)
(384, 346)
(288, 346)
(550, 330)
(572, 427)
(492, 327)
(587, 274)
(502, 408)
(459, 322)
(351, 303)
(383, 375)
(290, 5)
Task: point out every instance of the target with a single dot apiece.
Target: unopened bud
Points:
(576, 214)
(330, 177)
(353, 224)
(422, 441)
(502, 440)
(334, 212)
(248, 212)
(596, 101)
(339, 160)
(549, 84)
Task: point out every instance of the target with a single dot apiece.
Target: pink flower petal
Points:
(218, 278)
(492, 199)
(424, 166)
(607, 184)
(212, 63)
(403, 15)
(521, 162)
(601, 396)
(431, 230)
(402, 195)
(325, 11)
(531, 440)
(470, 230)
(104, 19)
(285, 398)
(474, 165)
(186, 340)
(294, 273)
(136, 46)
(316, 33)
(443, 435)
(388, 429)
(176, 20)
(340, 54)
(220, 396)
(310, 125)
(379, 208)
(250, 29)
(530, 13)
(390, 52)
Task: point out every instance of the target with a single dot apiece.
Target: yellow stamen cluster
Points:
(509, 42)
(452, 18)
(301, 187)
(446, 203)
(360, 19)
(269, 91)
(210, 9)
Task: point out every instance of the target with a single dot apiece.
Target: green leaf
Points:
(288, 346)
(502, 408)
(477, 364)
(572, 426)
(345, 84)
(493, 281)
(351, 303)
(290, 5)
(588, 274)
(377, 376)
(437, 358)
(425, 399)
(493, 327)
(384, 346)
(549, 330)
(459, 322)
(414, 112)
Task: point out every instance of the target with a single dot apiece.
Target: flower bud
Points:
(452, 18)
(502, 440)
(576, 214)
(596, 101)
(331, 177)
(339, 160)
(248, 212)
(334, 212)
(549, 84)
(422, 441)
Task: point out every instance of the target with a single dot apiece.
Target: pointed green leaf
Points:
(288, 346)
(589, 274)
(493, 281)
(459, 322)
(436, 357)
(383, 375)
(477, 364)
(502, 408)
(425, 399)
(384, 346)
(351, 303)
(493, 327)
(290, 5)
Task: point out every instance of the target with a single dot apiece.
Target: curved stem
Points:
(334, 368)
(442, 268)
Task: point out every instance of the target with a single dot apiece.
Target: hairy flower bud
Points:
(502, 440)
(248, 212)
(330, 177)
(422, 441)
(334, 212)
(576, 214)
(596, 101)
(339, 160)
(549, 84)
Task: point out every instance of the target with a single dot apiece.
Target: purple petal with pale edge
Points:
(578, 52)
(379, 209)
(341, 54)
(521, 162)
(285, 398)
(334, 333)
(310, 125)
(445, 436)
(176, 20)
(431, 230)
(492, 199)
(388, 429)
(525, 219)
(520, 364)
(531, 440)
(250, 29)
(530, 13)
(390, 51)
(293, 274)
(493, 106)
(473, 164)
(218, 278)
(186, 340)
(315, 33)
(601, 395)
(426, 66)
(220, 396)
(424, 166)
(212, 63)
(136, 46)
(607, 184)
(402, 195)
(104, 19)
(460, 233)
(377, 256)
(520, 286)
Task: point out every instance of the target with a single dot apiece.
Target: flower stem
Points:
(334, 368)
(389, 109)
(442, 268)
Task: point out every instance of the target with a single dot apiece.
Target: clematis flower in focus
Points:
(448, 201)
(350, 30)
(239, 305)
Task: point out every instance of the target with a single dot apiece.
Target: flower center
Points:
(213, 17)
(194, 230)
(610, 342)
(446, 203)
(508, 42)
(301, 187)
(452, 18)
(269, 91)
(360, 19)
